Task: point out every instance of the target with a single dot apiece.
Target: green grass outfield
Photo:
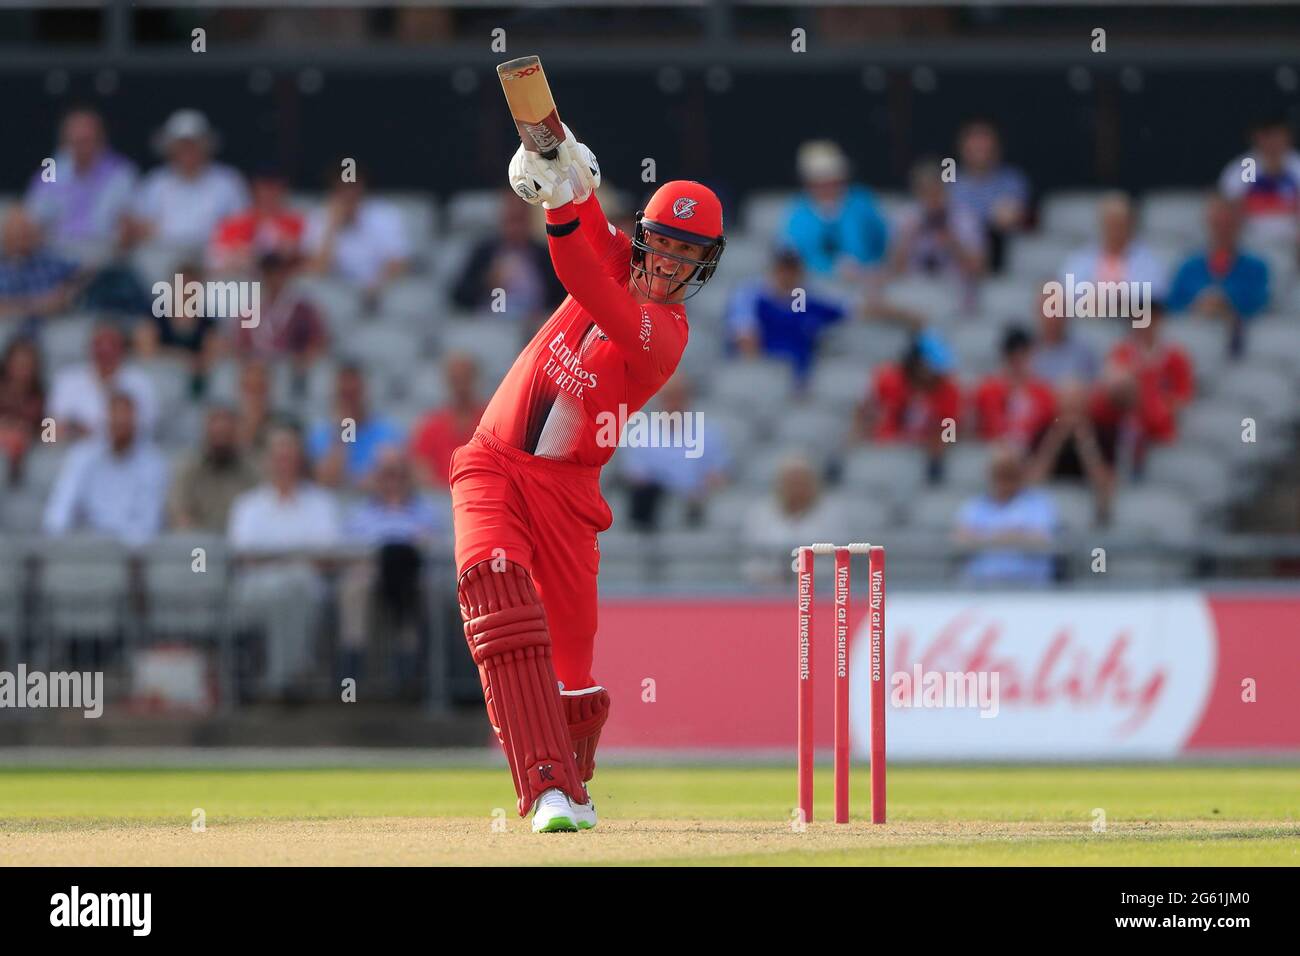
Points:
(1165, 815)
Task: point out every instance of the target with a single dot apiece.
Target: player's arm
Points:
(650, 348)
(555, 184)
(584, 173)
(599, 232)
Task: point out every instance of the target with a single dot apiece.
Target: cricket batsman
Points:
(526, 489)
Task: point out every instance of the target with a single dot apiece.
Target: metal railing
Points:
(107, 605)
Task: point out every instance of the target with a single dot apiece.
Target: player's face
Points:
(667, 274)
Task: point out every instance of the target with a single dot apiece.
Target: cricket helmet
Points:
(689, 212)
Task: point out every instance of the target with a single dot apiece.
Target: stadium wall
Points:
(419, 130)
(1132, 676)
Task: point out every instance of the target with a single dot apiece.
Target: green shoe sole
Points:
(558, 825)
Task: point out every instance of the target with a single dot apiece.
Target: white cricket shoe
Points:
(553, 812)
(584, 814)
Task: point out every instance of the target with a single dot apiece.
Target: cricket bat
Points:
(531, 105)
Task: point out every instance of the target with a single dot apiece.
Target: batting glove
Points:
(584, 171)
(537, 180)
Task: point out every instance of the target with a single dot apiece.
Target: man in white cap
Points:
(834, 225)
(181, 202)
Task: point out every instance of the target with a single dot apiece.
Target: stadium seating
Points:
(764, 414)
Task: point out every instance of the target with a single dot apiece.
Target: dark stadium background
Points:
(1200, 73)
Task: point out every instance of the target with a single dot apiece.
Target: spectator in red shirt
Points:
(1145, 384)
(267, 227)
(1014, 404)
(22, 404)
(913, 399)
(444, 430)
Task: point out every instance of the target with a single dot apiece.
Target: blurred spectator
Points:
(387, 589)
(654, 473)
(796, 514)
(357, 238)
(79, 396)
(1117, 256)
(912, 400)
(779, 316)
(114, 486)
(1073, 447)
(1224, 281)
(181, 202)
(1013, 404)
(290, 324)
(1145, 384)
(514, 261)
(1011, 526)
(277, 529)
(996, 193)
(1059, 355)
(344, 450)
(424, 25)
(267, 227)
(1266, 179)
(34, 282)
(442, 430)
(334, 26)
(190, 338)
(209, 479)
(22, 403)
(254, 406)
(936, 236)
(836, 227)
(81, 209)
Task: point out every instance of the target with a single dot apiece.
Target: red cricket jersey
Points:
(1166, 381)
(907, 413)
(1018, 412)
(601, 353)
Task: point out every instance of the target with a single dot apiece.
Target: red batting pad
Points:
(505, 627)
(586, 713)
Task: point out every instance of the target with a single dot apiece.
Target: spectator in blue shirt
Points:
(395, 513)
(344, 450)
(34, 282)
(1222, 281)
(1060, 356)
(779, 316)
(689, 470)
(383, 593)
(112, 486)
(997, 193)
(835, 226)
(1011, 526)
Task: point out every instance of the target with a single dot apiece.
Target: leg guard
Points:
(506, 631)
(586, 711)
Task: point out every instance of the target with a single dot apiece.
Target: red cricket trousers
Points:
(544, 515)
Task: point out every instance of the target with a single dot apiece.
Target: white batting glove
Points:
(584, 171)
(537, 180)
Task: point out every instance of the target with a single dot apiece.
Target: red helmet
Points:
(687, 211)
